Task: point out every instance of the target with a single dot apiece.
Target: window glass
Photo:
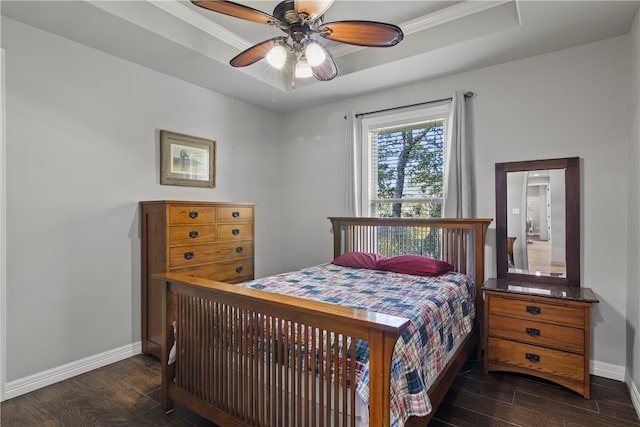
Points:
(404, 166)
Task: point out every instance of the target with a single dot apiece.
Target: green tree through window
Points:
(407, 170)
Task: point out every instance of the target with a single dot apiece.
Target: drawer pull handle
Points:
(235, 214)
(239, 269)
(193, 214)
(533, 332)
(532, 357)
(239, 249)
(235, 231)
(188, 255)
(193, 234)
(533, 309)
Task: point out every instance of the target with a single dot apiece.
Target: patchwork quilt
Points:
(441, 310)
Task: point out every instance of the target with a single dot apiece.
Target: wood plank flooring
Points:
(127, 393)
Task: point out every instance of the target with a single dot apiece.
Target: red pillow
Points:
(416, 265)
(359, 260)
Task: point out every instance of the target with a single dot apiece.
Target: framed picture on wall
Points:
(187, 160)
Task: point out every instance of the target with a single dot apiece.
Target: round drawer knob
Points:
(193, 234)
(188, 255)
(239, 269)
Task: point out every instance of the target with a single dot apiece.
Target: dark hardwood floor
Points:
(127, 393)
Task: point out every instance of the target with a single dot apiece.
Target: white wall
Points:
(568, 103)
(633, 244)
(82, 151)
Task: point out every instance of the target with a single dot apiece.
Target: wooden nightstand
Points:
(540, 330)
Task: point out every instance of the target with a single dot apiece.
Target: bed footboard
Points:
(250, 358)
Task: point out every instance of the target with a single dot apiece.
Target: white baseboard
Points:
(618, 373)
(633, 391)
(51, 376)
(608, 370)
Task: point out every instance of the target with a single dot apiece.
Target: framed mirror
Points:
(538, 220)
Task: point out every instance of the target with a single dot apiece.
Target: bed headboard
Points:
(455, 240)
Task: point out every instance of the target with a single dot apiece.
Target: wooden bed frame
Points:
(235, 367)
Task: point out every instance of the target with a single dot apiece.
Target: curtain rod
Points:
(466, 95)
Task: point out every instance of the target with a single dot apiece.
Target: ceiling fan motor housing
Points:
(286, 12)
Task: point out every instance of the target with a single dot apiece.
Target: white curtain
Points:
(353, 185)
(458, 195)
(458, 198)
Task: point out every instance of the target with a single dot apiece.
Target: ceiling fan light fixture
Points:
(277, 56)
(315, 54)
(303, 69)
(300, 19)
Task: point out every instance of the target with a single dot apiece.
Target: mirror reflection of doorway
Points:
(538, 214)
(539, 237)
(531, 231)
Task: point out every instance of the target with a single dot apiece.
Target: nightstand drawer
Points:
(537, 333)
(535, 310)
(530, 357)
(192, 214)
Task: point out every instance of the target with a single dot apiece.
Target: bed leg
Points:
(478, 351)
(166, 401)
(168, 337)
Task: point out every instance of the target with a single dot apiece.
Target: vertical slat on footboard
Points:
(245, 357)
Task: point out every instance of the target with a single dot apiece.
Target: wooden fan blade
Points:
(255, 53)
(328, 70)
(312, 8)
(238, 11)
(362, 33)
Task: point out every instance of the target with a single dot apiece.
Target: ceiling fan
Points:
(300, 20)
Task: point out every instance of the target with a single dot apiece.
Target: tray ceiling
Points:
(441, 37)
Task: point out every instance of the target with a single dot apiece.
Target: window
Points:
(403, 164)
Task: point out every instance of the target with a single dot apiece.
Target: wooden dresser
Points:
(203, 239)
(539, 329)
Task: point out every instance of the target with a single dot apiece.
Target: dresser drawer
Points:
(537, 311)
(537, 333)
(553, 362)
(231, 214)
(235, 231)
(187, 234)
(192, 214)
(232, 271)
(198, 254)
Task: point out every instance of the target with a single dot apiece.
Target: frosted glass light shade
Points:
(315, 54)
(303, 69)
(277, 56)
(312, 8)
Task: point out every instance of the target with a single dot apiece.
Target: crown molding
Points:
(181, 11)
(439, 17)
(448, 14)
